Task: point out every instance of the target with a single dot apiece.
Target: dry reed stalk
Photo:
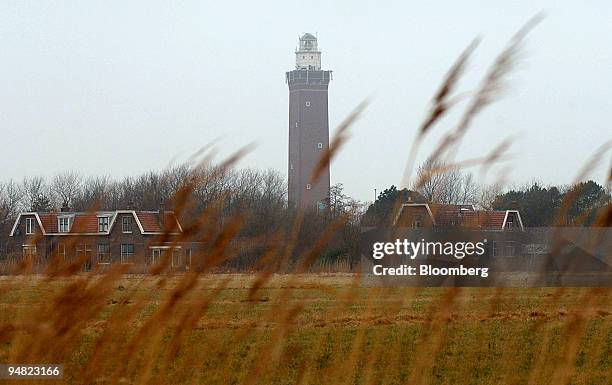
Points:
(187, 322)
(345, 371)
(433, 338)
(484, 96)
(490, 88)
(575, 329)
(382, 350)
(584, 171)
(270, 258)
(269, 354)
(59, 322)
(107, 344)
(442, 102)
(261, 278)
(339, 139)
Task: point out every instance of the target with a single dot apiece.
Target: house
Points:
(103, 237)
(503, 229)
(450, 216)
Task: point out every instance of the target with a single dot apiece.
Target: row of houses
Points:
(103, 237)
(577, 248)
(146, 237)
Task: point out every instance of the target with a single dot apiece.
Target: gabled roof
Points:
(449, 215)
(86, 223)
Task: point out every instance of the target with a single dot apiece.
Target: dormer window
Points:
(102, 224)
(64, 224)
(126, 224)
(29, 226)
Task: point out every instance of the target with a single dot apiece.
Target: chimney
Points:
(65, 208)
(162, 216)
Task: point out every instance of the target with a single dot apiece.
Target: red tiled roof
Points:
(448, 215)
(49, 222)
(485, 219)
(82, 223)
(88, 222)
(85, 223)
(150, 221)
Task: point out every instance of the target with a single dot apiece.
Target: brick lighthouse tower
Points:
(308, 126)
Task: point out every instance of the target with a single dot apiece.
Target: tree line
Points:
(581, 204)
(260, 198)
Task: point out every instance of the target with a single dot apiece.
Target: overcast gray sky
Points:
(123, 87)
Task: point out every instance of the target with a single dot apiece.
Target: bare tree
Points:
(488, 194)
(438, 183)
(93, 194)
(10, 197)
(469, 190)
(66, 186)
(37, 194)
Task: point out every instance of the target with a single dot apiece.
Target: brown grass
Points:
(317, 329)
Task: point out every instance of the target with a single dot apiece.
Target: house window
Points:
(64, 224)
(417, 222)
(156, 255)
(126, 224)
(319, 145)
(510, 222)
(307, 104)
(127, 252)
(61, 250)
(291, 166)
(177, 258)
(296, 124)
(29, 226)
(102, 224)
(510, 249)
(104, 255)
(308, 187)
(83, 251)
(496, 249)
(188, 254)
(29, 251)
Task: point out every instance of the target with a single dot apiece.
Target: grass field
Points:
(308, 329)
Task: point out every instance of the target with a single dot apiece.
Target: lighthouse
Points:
(308, 126)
